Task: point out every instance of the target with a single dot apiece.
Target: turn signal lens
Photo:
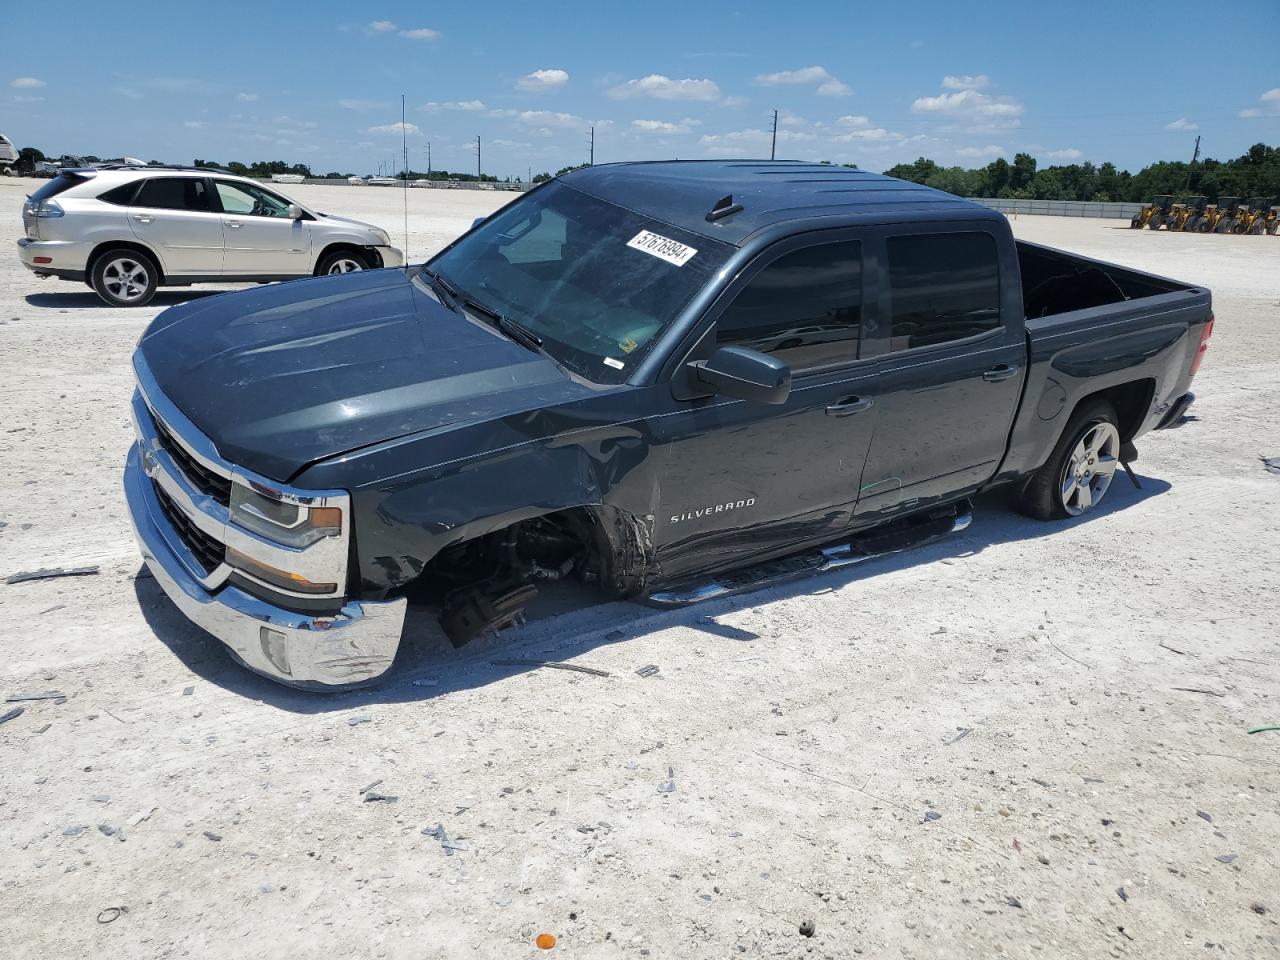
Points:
(275, 577)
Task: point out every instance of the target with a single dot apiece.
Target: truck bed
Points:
(1055, 282)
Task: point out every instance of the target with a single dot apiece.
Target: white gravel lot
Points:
(1106, 671)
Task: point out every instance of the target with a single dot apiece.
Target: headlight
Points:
(284, 579)
(291, 524)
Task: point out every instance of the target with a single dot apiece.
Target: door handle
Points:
(842, 408)
(1001, 372)
(142, 218)
(234, 224)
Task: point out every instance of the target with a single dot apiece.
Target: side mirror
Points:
(745, 375)
(295, 212)
(477, 221)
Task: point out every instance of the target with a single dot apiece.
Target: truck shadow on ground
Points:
(565, 626)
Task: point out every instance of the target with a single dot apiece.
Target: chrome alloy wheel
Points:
(345, 265)
(126, 279)
(1089, 471)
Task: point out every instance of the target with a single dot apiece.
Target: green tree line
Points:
(1254, 174)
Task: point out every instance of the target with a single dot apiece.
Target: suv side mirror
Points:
(477, 221)
(745, 375)
(295, 212)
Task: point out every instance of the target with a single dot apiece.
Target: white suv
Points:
(125, 230)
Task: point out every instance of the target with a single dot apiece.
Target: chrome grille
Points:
(208, 551)
(206, 480)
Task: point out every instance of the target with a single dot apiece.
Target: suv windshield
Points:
(594, 282)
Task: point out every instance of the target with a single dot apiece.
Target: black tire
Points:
(333, 262)
(1154, 222)
(1043, 496)
(122, 277)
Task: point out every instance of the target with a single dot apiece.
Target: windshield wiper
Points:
(512, 328)
(443, 289)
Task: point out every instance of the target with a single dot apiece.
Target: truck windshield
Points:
(594, 282)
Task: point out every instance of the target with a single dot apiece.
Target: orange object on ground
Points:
(545, 941)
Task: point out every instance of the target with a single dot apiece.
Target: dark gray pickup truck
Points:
(670, 380)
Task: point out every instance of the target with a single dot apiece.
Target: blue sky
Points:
(865, 84)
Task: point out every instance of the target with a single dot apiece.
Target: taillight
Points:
(1205, 334)
(49, 209)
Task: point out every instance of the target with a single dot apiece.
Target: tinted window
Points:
(173, 193)
(944, 287)
(251, 200)
(805, 307)
(63, 181)
(122, 196)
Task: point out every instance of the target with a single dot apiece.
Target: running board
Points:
(774, 572)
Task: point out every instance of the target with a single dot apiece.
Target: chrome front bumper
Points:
(353, 646)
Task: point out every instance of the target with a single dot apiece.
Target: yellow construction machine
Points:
(1253, 216)
(1186, 214)
(1153, 214)
(1272, 223)
(1215, 214)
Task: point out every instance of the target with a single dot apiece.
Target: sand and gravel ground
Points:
(1070, 699)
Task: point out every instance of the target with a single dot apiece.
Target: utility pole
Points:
(773, 146)
(428, 159)
(1186, 187)
(477, 158)
(591, 152)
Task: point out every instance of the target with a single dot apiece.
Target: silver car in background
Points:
(126, 230)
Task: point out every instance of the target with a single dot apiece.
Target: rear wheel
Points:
(1154, 222)
(342, 261)
(125, 278)
(1080, 469)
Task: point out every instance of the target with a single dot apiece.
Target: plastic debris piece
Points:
(545, 941)
(808, 928)
(1226, 857)
(1013, 902)
(1271, 464)
(1204, 816)
(215, 837)
(648, 670)
(932, 815)
(1264, 729)
(11, 714)
(50, 573)
(72, 831)
(371, 786)
(372, 797)
(552, 664)
(111, 913)
(108, 830)
(356, 721)
(47, 695)
(1121, 894)
(964, 732)
(668, 785)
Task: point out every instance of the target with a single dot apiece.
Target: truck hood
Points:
(286, 375)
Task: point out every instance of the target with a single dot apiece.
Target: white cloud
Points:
(396, 127)
(658, 87)
(380, 26)
(510, 143)
(1182, 123)
(246, 97)
(1067, 153)
(852, 121)
(828, 86)
(546, 118)
(665, 127)
(19, 98)
(421, 33)
(981, 110)
(966, 81)
(193, 124)
(738, 139)
(354, 103)
(991, 150)
(868, 133)
(1271, 99)
(545, 79)
(468, 106)
(1271, 96)
(1250, 112)
(128, 92)
(26, 83)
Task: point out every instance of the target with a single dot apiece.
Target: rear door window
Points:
(174, 193)
(805, 307)
(943, 287)
(121, 196)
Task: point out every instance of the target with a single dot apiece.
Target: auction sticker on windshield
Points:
(662, 247)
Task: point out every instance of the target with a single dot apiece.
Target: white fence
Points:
(1063, 208)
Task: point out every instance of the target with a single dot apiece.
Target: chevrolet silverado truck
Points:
(668, 380)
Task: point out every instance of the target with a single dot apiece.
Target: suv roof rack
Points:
(153, 166)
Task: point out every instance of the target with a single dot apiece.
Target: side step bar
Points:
(774, 572)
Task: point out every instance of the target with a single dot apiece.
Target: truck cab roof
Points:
(684, 192)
